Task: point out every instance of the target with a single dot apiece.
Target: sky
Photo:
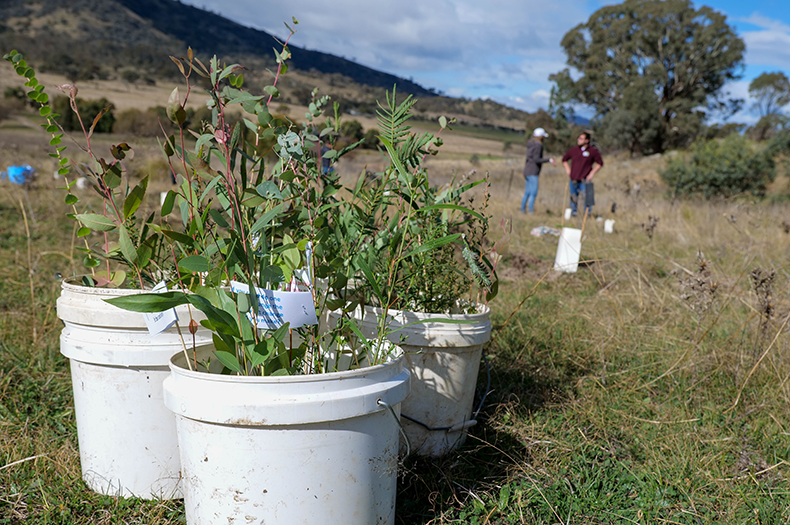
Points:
(504, 50)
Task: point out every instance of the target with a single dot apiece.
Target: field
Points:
(649, 387)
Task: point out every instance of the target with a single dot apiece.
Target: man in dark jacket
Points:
(535, 161)
(585, 161)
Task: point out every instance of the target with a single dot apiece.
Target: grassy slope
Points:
(613, 390)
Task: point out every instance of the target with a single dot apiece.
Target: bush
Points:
(352, 129)
(88, 111)
(130, 76)
(140, 123)
(371, 139)
(721, 168)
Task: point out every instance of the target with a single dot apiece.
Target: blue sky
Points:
(499, 49)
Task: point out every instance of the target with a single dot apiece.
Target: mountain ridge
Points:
(104, 39)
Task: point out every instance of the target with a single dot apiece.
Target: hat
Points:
(540, 132)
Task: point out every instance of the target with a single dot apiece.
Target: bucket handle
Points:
(397, 420)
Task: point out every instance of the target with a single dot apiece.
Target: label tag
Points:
(160, 321)
(276, 308)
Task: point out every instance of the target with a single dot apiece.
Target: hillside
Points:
(104, 39)
(92, 38)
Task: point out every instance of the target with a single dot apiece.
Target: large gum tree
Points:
(653, 70)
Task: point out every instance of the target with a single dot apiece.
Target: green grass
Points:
(613, 394)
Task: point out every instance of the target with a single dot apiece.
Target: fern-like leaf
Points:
(477, 272)
(393, 118)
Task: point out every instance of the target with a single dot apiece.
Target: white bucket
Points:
(303, 449)
(444, 361)
(127, 438)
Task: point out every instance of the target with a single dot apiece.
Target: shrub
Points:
(352, 129)
(371, 139)
(88, 109)
(721, 168)
(130, 76)
(140, 123)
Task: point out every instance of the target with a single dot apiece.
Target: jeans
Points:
(578, 188)
(530, 192)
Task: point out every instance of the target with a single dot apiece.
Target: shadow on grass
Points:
(529, 372)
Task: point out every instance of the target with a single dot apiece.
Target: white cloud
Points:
(462, 47)
(530, 102)
(768, 46)
(502, 49)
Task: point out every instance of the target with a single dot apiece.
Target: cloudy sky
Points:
(499, 49)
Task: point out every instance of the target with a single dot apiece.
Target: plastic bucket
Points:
(444, 361)
(127, 437)
(303, 449)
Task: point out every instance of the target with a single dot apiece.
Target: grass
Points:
(649, 387)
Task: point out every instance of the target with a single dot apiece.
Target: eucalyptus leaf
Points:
(229, 360)
(96, 222)
(194, 263)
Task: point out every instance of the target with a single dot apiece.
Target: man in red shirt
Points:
(585, 161)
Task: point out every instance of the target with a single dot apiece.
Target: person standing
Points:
(585, 161)
(532, 167)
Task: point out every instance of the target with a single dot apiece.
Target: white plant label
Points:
(160, 321)
(276, 308)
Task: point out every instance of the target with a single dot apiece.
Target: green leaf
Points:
(430, 245)
(280, 333)
(96, 222)
(264, 117)
(266, 218)
(118, 278)
(229, 360)
(262, 351)
(273, 91)
(71, 199)
(179, 237)
(218, 218)
(451, 207)
(90, 262)
(149, 302)
(369, 276)
(269, 190)
(167, 206)
(135, 198)
(291, 254)
(194, 263)
(243, 302)
(204, 139)
(220, 343)
(127, 246)
(83, 231)
(228, 70)
(175, 111)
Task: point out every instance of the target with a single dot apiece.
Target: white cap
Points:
(540, 132)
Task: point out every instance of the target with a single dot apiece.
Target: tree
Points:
(676, 56)
(130, 76)
(771, 91)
